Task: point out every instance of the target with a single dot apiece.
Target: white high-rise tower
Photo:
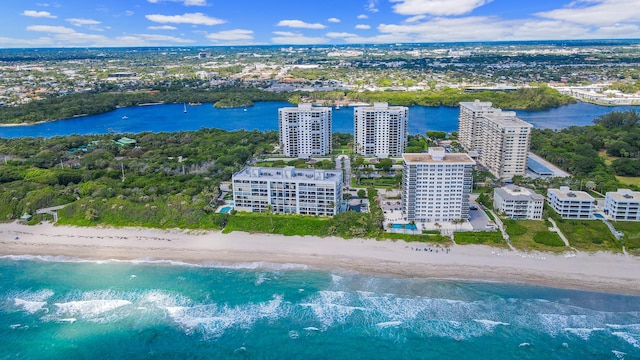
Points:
(380, 130)
(305, 130)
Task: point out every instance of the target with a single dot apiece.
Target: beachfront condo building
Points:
(288, 190)
(571, 204)
(436, 186)
(622, 204)
(518, 203)
(305, 131)
(380, 130)
(500, 138)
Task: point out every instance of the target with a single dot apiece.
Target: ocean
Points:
(60, 308)
(264, 116)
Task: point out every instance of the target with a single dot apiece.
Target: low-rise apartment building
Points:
(288, 190)
(571, 204)
(622, 204)
(518, 202)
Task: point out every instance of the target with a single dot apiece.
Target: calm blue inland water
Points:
(56, 308)
(60, 308)
(264, 116)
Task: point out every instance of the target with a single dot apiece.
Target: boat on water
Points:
(195, 103)
(125, 117)
(337, 107)
(185, 108)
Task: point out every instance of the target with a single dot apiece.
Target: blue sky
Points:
(91, 23)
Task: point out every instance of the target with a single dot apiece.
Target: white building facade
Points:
(436, 186)
(380, 130)
(518, 203)
(571, 204)
(501, 139)
(288, 190)
(622, 204)
(305, 131)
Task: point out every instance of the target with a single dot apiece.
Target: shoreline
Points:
(601, 272)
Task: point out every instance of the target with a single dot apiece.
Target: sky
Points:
(120, 23)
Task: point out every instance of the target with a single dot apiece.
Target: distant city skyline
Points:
(79, 23)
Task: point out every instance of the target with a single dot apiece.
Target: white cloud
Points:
(187, 18)
(363, 27)
(597, 12)
(437, 7)
(129, 13)
(38, 14)
(184, 2)
(51, 29)
(290, 38)
(333, 20)
(162, 27)
(39, 42)
(362, 16)
(372, 6)
(340, 35)
(80, 22)
(231, 35)
(163, 38)
(300, 24)
(415, 18)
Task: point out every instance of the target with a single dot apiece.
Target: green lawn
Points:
(282, 224)
(492, 238)
(628, 180)
(589, 235)
(631, 230)
(533, 235)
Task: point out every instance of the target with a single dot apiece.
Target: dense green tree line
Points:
(524, 99)
(577, 149)
(170, 179)
(68, 106)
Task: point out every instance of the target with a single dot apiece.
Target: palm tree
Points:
(269, 210)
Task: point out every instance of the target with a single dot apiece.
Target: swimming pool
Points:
(404, 226)
(225, 209)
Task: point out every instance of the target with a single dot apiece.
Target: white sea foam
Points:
(489, 324)
(311, 328)
(32, 302)
(14, 326)
(68, 320)
(89, 308)
(524, 344)
(583, 333)
(618, 354)
(256, 266)
(387, 324)
(30, 306)
(212, 320)
(293, 334)
(630, 338)
(261, 278)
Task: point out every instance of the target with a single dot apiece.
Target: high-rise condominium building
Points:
(500, 138)
(436, 186)
(380, 130)
(288, 190)
(305, 130)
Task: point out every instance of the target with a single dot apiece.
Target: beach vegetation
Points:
(533, 235)
(631, 238)
(492, 238)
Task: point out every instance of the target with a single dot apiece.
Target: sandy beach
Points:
(614, 273)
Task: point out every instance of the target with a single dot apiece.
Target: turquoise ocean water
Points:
(56, 308)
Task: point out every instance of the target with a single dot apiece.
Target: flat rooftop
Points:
(564, 194)
(625, 195)
(289, 173)
(420, 158)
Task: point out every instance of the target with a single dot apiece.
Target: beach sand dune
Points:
(605, 272)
